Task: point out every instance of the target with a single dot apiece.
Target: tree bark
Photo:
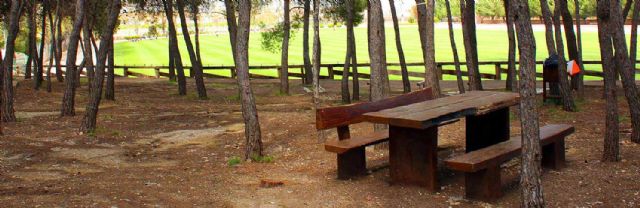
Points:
(548, 27)
(7, 111)
(346, 96)
(232, 25)
(91, 114)
(611, 151)
(68, 100)
(570, 36)
(406, 85)
(511, 68)
(173, 41)
(88, 52)
(305, 43)
(627, 8)
(284, 57)
(52, 51)
(196, 64)
(467, 11)
(532, 194)
(454, 48)
(579, 43)
(40, 69)
(316, 53)
(432, 79)
(565, 89)
(425, 27)
(59, 37)
(32, 52)
(110, 91)
(624, 67)
(354, 60)
(194, 15)
(377, 54)
(249, 111)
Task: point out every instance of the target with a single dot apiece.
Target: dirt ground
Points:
(154, 148)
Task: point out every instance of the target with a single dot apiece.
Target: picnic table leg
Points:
(486, 130)
(413, 156)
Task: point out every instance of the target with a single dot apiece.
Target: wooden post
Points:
(125, 72)
(331, 74)
(439, 72)
(302, 73)
(498, 72)
(233, 72)
(157, 71)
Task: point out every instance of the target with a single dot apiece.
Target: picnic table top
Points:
(430, 113)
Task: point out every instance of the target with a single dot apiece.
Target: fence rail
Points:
(336, 69)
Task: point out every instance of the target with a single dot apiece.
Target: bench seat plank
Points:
(342, 146)
(499, 153)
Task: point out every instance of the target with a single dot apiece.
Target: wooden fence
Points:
(499, 67)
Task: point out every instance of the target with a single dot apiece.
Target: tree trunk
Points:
(579, 43)
(194, 14)
(624, 67)
(454, 48)
(52, 51)
(377, 54)
(565, 89)
(196, 64)
(548, 27)
(110, 91)
(425, 27)
(88, 52)
(346, 96)
(611, 151)
(316, 53)
(68, 100)
(91, 114)
(511, 68)
(284, 57)
(532, 195)
(59, 39)
(467, 11)
(32, 51)
(406, 85)
(570, 36)
(627, 8)
(308, 78)
(173, 41)
(432, 79)
(354, 60)
(232, 25)
(249, 112)
(8, 114)
(40, 69)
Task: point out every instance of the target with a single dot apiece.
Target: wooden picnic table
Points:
(413, 131)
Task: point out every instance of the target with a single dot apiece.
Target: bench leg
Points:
(553, 155)
(484, 185)
(413, 156)
(352, 164)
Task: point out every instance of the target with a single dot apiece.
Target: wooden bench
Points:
(351, 150)
(482, 167)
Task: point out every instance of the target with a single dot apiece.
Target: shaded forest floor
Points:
(154, 148)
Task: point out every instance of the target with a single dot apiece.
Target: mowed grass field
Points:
(216, 49)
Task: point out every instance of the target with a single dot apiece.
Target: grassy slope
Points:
(492, 46)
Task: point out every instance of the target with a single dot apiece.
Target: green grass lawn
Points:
(216, 50)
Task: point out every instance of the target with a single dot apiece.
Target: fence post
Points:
(498, 72)
(302, 73)
(331, 73)
(125, 72)
(439, 71)
(233, 72)
(157, 71)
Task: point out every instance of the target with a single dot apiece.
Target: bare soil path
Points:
(154, 148)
